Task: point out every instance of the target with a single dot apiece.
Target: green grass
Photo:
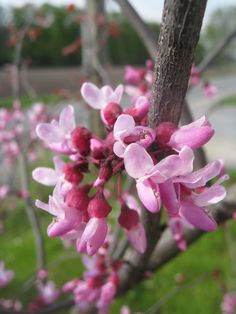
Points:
(27, 101)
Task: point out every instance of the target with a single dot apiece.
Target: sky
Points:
(150, 10)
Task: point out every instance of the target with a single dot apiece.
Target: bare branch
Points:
(215, 52)
(144, 32)
(33, 219)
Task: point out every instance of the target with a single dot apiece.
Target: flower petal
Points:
(92, 95)
(67, 119)
(46, 176)
(150, 198)
(124, 124)
(137, 161)
(50, 133)
(197, 216)
(137, 237)
(211, 195)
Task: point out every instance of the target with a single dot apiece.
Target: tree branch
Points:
(144, 32)
(215, 52)
(33, 219)
(181, 21)
(179, 34)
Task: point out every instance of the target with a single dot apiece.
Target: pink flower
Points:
(57, 134)
(4, 190)
(49, 292)
(130, 220)
(209, 90)
(133, 75)
(194, 135)
(140, 166)
(102, 98)
(228, 305)
(125, 132)
(93, 236)
(66, 218)
(48, 176)
(6, 276)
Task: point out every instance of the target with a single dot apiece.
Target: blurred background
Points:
(47, 50)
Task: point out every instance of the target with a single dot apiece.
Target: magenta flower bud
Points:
(149, 64)
(99, 207)
(72, 173)
(111, 112)
(77, 198)
(164, 132)
(128, 218)
(80, 138)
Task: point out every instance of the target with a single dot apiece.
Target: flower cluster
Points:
(99, 283)
(160, 160)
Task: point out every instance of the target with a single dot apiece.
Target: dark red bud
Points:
(72, 173)
(99, 207)
(164, 132)
(80, 138)
(112, 112)
(128, 218)
(114, 279)
(77, 198)
(94, 282)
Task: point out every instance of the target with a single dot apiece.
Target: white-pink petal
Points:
(46, 176)
(67, 119)
(92, 95)
(137, 161)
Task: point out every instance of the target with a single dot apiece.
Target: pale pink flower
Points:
(133, 75)
(57, 134)
(125, 132)
(228, 306)
(4, 190)
(100, 98)
(140, 166)
(48, 176)
(209, 90)
(6, 276)
(48, 292)
(66, 218)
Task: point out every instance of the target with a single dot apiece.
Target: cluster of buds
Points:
(99, 284)
(159, 159)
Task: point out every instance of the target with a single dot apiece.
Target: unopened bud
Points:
(128, 218)
(80, 138)
(112, 112)
(164, 132)
(99, 207)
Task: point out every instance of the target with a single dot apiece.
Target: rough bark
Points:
(180, 29)
(179, 34)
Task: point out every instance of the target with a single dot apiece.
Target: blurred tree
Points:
(222, 23)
